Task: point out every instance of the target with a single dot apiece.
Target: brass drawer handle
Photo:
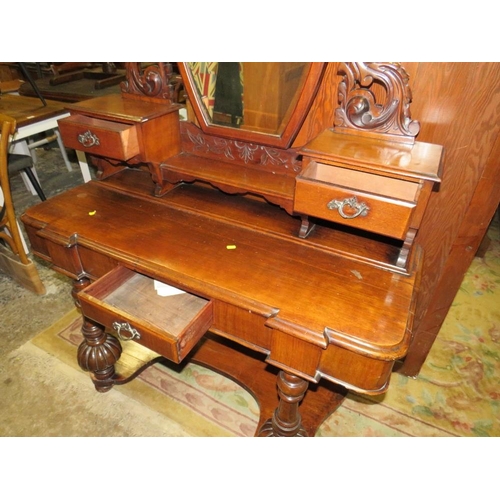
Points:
(118, 327)
(360, 209)
(88, 139)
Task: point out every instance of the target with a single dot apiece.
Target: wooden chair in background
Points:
(14, 260)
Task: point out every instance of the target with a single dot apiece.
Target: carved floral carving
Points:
(153, 81)
(359, 111)
(244, 152)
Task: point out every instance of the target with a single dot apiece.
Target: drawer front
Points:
(127, 303)
(100, 137)
(354, 208)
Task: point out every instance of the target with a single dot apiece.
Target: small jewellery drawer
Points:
(129, 304)
(100, 137)
(366, 201)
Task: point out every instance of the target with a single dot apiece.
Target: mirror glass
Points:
(250, 96)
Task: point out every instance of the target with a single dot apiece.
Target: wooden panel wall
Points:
(458, 106)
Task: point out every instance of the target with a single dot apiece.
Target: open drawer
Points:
(100, 137)
(128, 303)
(367, 201)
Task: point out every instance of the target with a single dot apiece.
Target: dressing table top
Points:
(182, 239)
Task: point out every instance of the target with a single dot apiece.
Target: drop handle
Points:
(357, 209)
(125, 327)
(88, 139)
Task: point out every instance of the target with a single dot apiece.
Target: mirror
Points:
(261, 102)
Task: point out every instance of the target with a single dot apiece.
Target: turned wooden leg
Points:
(98, 354)
(286, 420)
(99, 351)
(79, 285)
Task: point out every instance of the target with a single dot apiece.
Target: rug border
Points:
(136, 389)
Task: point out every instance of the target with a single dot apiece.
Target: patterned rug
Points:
(456, 394)
(205, 403)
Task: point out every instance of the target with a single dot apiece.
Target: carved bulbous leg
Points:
(99, 351)
(98, 354)
(286, 421)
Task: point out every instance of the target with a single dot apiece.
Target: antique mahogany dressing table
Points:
(286, 265)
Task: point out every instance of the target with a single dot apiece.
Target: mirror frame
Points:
(291, 129)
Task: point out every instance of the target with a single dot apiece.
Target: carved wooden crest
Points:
(360, 113)
(153, 82)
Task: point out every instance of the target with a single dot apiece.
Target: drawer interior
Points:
(87, 121)
(362, 181)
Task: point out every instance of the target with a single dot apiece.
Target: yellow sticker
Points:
(93, 212)
(231, 247)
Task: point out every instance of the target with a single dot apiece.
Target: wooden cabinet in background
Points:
(458, 106)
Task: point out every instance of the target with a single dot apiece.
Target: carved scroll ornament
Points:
(152, 81)
(359, 112)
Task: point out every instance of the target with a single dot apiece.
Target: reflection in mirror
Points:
(255, 96)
